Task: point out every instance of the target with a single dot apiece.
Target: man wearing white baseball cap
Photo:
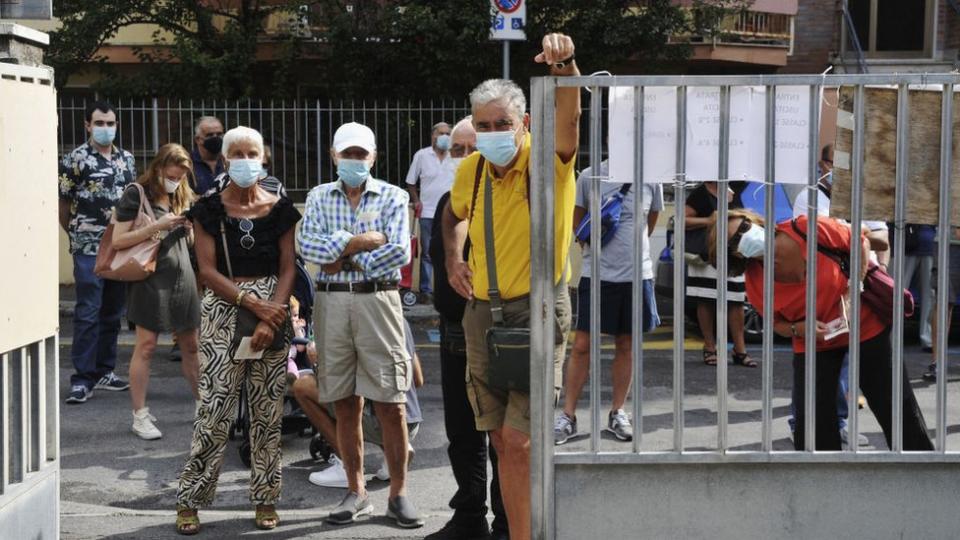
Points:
(357, 230)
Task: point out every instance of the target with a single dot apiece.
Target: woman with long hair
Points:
(167, 301)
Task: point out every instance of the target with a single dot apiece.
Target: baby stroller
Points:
(407, 296)
(294, 421)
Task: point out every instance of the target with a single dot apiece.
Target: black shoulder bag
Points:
(247, 320)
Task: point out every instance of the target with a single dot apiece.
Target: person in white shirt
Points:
(434, 169)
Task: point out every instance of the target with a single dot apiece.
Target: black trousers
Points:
(876, 383)
(468, 448)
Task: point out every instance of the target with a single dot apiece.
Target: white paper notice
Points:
(703, 133)
(747, 127)
(245, 352)
(746, 142)
(659, 134)
(792, 138)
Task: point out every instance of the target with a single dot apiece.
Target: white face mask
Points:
(171, 185)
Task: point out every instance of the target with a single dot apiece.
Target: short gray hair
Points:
(241, 134)
(202, 120)
(499, 89)
(437, 126)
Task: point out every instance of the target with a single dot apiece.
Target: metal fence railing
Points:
(689, 152)
(298, 132)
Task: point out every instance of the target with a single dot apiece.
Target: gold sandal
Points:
(188, 522)
(266, 517)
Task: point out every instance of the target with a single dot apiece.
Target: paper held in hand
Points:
(246, 352)
(840, 325)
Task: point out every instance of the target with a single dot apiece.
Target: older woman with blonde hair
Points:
(245, 251)
(167, 301)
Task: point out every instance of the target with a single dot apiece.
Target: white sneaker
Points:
(143, 425)
(334, 476)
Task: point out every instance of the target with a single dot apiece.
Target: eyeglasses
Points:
(734, 242)
(246, 241)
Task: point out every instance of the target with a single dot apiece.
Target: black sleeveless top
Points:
(263, 258)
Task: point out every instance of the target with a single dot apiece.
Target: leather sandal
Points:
(743, 359)
(709, 357)
(188, 522)
(266, 517)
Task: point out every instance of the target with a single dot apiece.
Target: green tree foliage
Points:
(361, 48)
(211, 52)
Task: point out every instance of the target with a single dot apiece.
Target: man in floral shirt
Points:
(92, 179)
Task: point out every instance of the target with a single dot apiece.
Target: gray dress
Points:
(167, 301)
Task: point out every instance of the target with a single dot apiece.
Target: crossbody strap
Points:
(226, 251)
(493, 289)
(842, 259)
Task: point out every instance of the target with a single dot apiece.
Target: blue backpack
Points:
(609, 218)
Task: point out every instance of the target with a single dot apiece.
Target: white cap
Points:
(354, 134)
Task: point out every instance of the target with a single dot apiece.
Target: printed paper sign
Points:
(659, 134)
(747, 134)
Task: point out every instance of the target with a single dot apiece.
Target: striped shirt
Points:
(329, 222)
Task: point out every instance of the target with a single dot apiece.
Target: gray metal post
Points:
(943, 257)
(809, 327)
(595, 106)
(856, 256)
(506, 59)
(900, 204)
(542, 300)
(722, 225)
(766, 391)
(639, 239)
(679, 243)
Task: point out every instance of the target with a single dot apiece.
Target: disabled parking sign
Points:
(508, 19)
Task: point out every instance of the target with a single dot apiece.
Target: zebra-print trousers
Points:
(220, 379)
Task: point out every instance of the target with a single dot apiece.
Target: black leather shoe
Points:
(460, 531)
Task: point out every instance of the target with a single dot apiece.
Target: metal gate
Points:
(753, 490)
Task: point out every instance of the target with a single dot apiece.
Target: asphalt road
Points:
(115, 485)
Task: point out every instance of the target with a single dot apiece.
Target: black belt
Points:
(356, 286)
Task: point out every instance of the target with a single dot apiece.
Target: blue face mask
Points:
(443, 142)
(103, 135)
(752, 241)
(353, 172)
(245, 172)
(498, 147)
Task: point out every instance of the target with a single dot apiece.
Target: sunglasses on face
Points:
(734, 242)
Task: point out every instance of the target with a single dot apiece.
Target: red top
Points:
(789, 299)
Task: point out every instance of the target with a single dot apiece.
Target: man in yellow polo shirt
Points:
(503, 140)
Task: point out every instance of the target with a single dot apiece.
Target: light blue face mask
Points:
(245, 172)
(103, 135)
(752, 241)
(498, 147)
(443, 142)
(353, 172)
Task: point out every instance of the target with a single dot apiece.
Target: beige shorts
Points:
(360, 346)
(493, 408)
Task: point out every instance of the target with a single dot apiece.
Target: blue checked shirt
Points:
(329, 223)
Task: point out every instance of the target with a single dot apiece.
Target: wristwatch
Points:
(793, 329)
(564, 63)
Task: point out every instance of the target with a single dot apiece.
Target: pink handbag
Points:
(136, 262)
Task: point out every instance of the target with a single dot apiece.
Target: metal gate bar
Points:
(543, 458)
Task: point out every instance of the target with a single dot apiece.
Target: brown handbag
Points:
(136, 262)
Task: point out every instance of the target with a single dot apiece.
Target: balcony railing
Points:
(747, 28)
